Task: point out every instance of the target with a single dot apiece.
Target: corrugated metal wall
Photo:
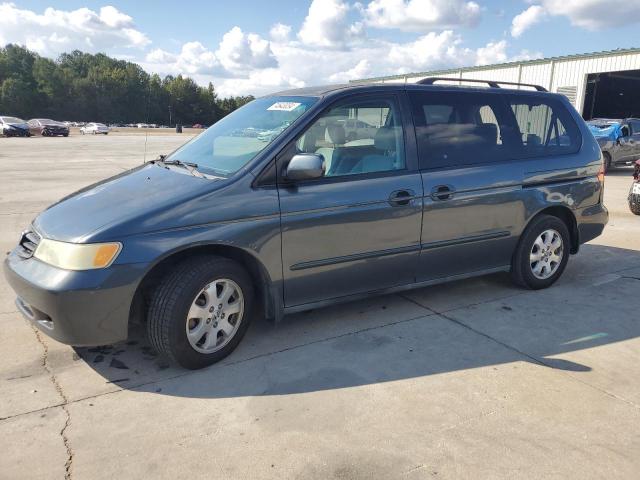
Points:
(551, 74)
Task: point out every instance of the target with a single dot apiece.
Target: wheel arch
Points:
(568, 217)
(260, 276)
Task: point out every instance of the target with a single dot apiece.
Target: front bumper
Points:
(79, 308)
(16, 132)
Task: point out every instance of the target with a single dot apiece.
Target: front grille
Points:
(28, 244)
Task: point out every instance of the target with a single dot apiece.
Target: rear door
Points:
(473, 196)
(357, 228)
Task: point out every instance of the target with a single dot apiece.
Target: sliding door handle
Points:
(443, 192)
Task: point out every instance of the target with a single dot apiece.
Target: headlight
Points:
(77, 256)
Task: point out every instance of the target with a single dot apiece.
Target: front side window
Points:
(357, 137)
(229, 144)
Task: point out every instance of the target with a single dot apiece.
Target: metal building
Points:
(600, 84)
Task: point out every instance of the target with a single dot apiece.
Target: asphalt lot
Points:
(474, 379)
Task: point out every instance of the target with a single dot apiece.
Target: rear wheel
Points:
(542, 253)
(200, 311)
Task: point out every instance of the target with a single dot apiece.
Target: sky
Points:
(257, 46)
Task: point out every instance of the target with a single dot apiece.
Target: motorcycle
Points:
(634, 192)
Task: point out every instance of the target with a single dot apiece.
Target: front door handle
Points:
(401, 197)
(442, 192)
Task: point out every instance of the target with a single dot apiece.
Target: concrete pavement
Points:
(474, 379)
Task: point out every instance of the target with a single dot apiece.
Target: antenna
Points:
(146, 121)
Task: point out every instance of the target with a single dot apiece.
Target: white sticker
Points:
(636, 188)
(284, 106)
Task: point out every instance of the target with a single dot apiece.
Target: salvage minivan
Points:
(444, 182)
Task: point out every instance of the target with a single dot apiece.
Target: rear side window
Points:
(467, 128)
(460, 128)
(545, 127)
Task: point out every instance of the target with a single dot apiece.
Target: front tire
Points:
(200, 311)
(606, 159)
(634, 203)
(542, 253)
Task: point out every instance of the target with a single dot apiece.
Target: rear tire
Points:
(175, 317)
(542, 253)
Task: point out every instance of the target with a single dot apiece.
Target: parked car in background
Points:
(228, 227)
(94, 128)
(13, 127)
(47, 127)
(619, 140)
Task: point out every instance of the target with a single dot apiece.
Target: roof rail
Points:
(491, 83)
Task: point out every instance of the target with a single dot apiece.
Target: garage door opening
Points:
(612, 95)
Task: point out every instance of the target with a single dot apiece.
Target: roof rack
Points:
(491, 83)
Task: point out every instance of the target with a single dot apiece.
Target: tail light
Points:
(601, 175)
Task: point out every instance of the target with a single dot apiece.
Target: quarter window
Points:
(545, 127)
(357, 138)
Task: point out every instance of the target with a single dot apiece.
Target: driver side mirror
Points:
(305, 166)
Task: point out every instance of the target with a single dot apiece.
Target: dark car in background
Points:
(47, 127)
(619, 140)
(13, 127)
(452, 182)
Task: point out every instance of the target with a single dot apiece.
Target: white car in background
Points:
(94, 128)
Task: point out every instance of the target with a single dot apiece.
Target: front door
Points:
(356, 229)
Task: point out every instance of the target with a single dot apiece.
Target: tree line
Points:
(80, 86)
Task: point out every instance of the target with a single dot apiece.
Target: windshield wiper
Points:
(192, 167)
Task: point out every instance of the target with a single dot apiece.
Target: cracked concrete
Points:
(474, 379)
(65, 440)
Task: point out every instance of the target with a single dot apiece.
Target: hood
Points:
(609, 132)
(131, 200)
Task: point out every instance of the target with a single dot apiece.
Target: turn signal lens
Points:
(105, 254)
(77, 256)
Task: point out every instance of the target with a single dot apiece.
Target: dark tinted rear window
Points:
(459, 128)
(466, 128)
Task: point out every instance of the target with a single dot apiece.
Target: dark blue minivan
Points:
(311, 197)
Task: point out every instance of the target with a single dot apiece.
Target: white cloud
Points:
(280, 32)
(431, 51)
(361, 70)
(595, 14)
(526, 19)
(420, 15)
(327, 25)
(589, 14)
(57, 31)
(492, 52)
(240, 53)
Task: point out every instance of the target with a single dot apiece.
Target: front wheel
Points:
(606, 159)
(200, 311)
(542, 253)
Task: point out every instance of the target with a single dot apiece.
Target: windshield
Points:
(233, 141)
(48, 121)
(12, 120)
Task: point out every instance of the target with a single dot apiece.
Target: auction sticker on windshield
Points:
(284, 106)
(636, 188)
